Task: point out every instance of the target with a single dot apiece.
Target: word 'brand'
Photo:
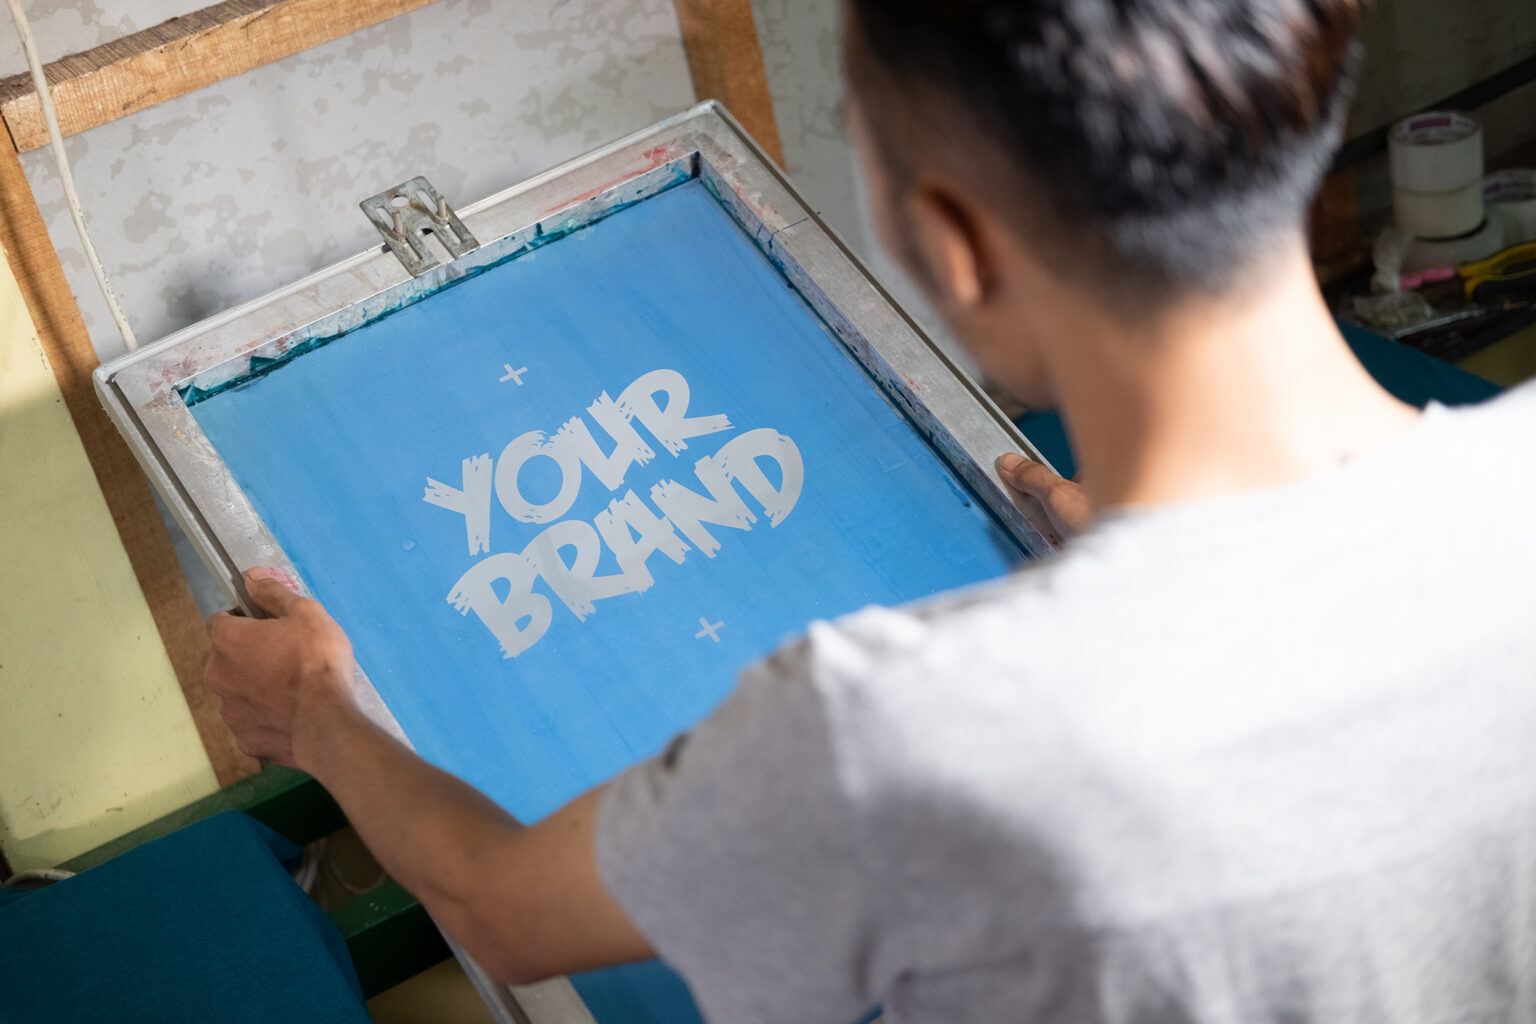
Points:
(566, 553)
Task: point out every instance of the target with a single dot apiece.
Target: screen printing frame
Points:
(145, 392)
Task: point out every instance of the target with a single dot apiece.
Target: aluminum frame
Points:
(146, 392)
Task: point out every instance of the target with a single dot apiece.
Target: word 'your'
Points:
(566, 554)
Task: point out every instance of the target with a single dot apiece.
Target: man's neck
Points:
(1220, 398)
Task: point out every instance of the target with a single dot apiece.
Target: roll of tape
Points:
(1476, 245)
(1440, 151)
(1510, 198)
(1438, 214)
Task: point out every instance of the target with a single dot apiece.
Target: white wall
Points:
(224, 194)
(800, 41)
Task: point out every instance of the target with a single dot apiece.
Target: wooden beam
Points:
(179, 56)
(726, 61)
(1334, 228)
(36, 267)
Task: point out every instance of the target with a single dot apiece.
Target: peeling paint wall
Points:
(801, 42)
(61, 27)
(801, 49)
(222, 195)
(219, 196)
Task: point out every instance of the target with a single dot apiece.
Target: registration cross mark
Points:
(514, 375)
(711, 631)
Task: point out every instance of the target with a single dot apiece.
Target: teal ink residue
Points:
(259, 366)
(336, 453)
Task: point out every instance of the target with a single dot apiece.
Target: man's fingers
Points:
(220, 624)
(223, 629)
(274, 592)
(1066, 503)
(1026, 475)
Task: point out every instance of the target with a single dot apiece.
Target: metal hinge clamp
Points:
(406, 214)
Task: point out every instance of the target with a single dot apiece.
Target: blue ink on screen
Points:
(535, 693)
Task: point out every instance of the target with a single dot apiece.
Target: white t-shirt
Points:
(1269, 758)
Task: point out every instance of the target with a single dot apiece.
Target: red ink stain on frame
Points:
(284, 577)
(177, 372)
(650, 160)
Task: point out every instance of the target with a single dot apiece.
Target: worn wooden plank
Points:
(179, 56)
(726, 62)
(57, 320)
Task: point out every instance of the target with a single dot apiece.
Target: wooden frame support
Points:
(726, 62)
(1333, 227)
(37, 269)
(180, 56)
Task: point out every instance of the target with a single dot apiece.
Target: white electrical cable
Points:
(39, 875)
(308, 871)
(56, 143)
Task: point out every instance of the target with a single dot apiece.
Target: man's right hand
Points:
(283, 678)
(1066, 503)
(526, 903)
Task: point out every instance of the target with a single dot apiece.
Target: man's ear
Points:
(952, 246)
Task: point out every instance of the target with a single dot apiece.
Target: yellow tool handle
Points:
(1504, 268)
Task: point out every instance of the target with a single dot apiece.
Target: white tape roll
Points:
(1438, 214)
(1480, 244)
(1440, 151)
(1510, 198)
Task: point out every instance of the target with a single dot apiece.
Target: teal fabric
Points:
(1408, 373)
(1413, 376)
(202, 925)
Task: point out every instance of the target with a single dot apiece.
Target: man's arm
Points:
(526, 903)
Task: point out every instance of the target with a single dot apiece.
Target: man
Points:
(1255, 747)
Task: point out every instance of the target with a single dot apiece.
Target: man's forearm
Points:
(434, 834)
(525, 903)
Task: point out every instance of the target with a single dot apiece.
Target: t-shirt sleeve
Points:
(737, 852)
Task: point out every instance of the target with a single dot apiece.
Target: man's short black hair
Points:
(1154, 146)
